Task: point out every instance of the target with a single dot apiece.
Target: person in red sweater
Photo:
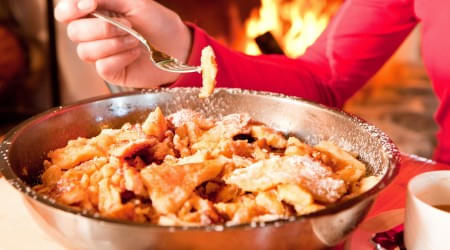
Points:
(359, 39)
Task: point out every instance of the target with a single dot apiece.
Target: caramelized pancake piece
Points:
(133, 181)
(76, 152)
(239, 148)
(269, 201)
(121, 142)
(295, 195)
(362, 186)
(72, 187)
(170, 186)
(128, 149)
(129, 132)
(296, 147)
(164, 148)
(209, 71)
(181, 141)
(347, 166)
(273, 138)
(110, 202)
(199, 211)
(218, 136)
(189, 127)
(227, 193)
(51, 175)
(233, 124)
(155, 124)
(312, 175)
(198, 157)
(301, 199)
(186, 116)
(242, 210)
(109, 197)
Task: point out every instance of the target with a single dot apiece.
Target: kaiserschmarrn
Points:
(187, 169)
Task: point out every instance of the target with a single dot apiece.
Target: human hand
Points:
(119, 58)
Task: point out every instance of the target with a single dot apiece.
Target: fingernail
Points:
(62, 6)
(85, 4)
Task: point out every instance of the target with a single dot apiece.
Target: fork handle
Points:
(122, 26)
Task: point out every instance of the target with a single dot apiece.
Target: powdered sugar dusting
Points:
(183, 116)
(303, 170)
(234, 124)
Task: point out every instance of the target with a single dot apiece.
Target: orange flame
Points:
(295, 24)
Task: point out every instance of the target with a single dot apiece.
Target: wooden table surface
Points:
(17, 225)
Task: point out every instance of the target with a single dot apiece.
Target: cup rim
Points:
(413, 194)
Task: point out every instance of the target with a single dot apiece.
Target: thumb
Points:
(68, 10)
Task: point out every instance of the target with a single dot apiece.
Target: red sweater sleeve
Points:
(360, 38)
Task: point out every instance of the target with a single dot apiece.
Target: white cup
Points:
(426, 227)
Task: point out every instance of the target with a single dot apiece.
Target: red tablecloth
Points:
(394, 196)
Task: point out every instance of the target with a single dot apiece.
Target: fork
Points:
(160, 59)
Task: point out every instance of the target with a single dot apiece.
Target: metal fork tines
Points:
(158, 58)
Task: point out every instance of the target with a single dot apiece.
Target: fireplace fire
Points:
(292, 24)
(295, 24)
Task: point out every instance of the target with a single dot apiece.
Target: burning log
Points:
(268, 44)
(295, 24)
